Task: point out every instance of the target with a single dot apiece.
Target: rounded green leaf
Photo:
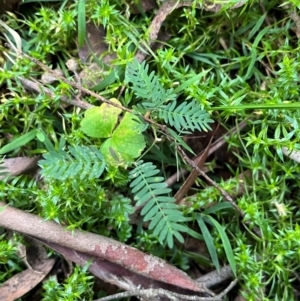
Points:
(109, 152)
(127, 142)
(99, 122)
(128, 138)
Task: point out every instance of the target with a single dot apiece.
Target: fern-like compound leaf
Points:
(152, 192)
(187, 116)
(146, 86)
(84, 162)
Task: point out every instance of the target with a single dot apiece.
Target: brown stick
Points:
(39, 88)
(189, 182)
(97, 246)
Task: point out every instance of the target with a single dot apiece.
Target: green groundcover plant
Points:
(98, 165)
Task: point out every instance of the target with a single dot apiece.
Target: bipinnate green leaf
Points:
(151, 191)
(126, 143)
(186, 116)
(162, 103)
(99, 122)
(146, 86)
(84, 162)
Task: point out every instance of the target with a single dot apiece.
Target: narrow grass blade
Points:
(18, 142)
(209, 242)
(226, 243)
(81, 23)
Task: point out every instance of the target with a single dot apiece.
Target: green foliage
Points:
(85, 204)
(81, 23)
(81, 162)
(20, 190)
(125, 143)
(49, 39)
(232, 66)
(99, 122)
(10, 263)
(186, 116)
(225, 241)
(18, 142)
(150, 190)
(79, 286)
(147, 87)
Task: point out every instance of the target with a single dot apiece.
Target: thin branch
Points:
(214, 147)
(216, 277)
(85, 90)
(189, 182)
(39, 88)
(157, 293)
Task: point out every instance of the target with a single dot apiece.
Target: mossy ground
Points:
(242, 65)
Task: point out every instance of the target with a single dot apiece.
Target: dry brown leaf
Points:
(19, 165)
(39, 266)
(94, 44)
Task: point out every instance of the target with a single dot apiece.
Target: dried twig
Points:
(39, 88)
(158, 293)
(214, 147)
(89, 245)
(194, 174)
(216, 277)
(167, 8)
(17, 166)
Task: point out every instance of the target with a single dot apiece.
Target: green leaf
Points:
(18, 142)
(41, 135)
(127, 142)
(180, 141)
(47, 142)
(191, 81)
(259, 36)
(178, 236)
(209, 242)
(218, 207)
(81, 23)
(146, 86)
(186, 116)
(258, 24)
(14, 34)
(194, 234)
(84, 162)
(226, 243)
(99, 122)
(252, 63)
(162, 210)
(108, 80)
